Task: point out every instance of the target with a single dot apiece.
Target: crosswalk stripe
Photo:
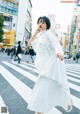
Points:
(25, 73)
(27, 67)
(28, 64)
(73, 69)
(73, 65)
(73, 75)
(73, 79)
(33, 77)
(76, 101)
(2, 104)
(75, 87)
(74, 72)
(35, 70)
(18, 86)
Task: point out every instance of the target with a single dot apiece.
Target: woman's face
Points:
(42, 25)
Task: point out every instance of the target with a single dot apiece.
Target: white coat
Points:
(51, 89)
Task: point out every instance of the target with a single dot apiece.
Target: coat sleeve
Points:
(53, 39)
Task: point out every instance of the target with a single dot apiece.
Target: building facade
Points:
(9, 9)
(17, 18)
(24, 21)
(75, 30)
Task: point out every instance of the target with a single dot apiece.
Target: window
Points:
(13, 25)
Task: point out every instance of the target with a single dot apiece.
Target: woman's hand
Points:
(37, 31)
(60, 56)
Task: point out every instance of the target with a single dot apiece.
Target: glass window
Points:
(13, 25)
(6, 10)
(14, 13)
(2, 9)
(9, 10)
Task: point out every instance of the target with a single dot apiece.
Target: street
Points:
(17, 82)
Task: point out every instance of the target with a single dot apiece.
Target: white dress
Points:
(51, 88)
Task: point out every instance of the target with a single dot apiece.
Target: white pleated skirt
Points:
(46, 94)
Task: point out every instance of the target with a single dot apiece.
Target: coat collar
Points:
(42, 32)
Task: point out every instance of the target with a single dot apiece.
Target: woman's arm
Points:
(56, 44)
(33, 37)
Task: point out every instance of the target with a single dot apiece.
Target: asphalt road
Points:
(10, 96)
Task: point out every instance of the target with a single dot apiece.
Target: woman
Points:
(51, 88)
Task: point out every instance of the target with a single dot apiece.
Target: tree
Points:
(1, 28)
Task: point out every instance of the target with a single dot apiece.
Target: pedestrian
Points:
(77, 57)
(31, 55)
(18, 54)
(8, 51)
(13, 53)
(51, 88)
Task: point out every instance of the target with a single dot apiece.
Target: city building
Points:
(74, 44)
(9, 10)
(17, 18)
(24, 21)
